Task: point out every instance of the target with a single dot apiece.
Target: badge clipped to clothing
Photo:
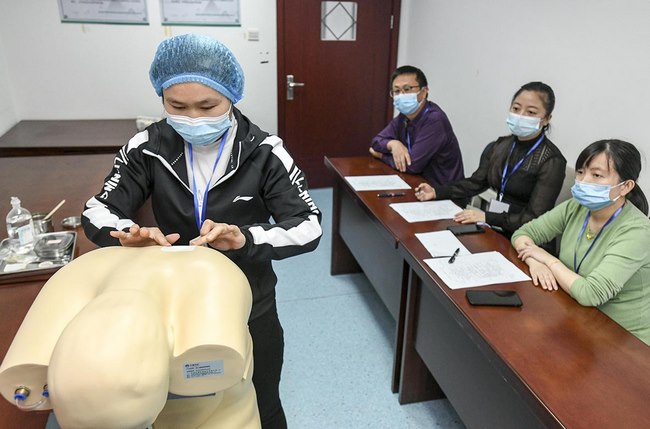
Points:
(497, 206)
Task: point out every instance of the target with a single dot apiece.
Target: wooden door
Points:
(344, 101)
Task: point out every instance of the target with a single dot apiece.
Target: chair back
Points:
(569, 180)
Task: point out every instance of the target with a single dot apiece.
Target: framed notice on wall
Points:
(104, 11)
(200, 12)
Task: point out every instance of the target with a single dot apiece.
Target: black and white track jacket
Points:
(261, 183)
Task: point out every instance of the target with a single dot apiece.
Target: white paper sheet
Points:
(477, 269)
(377, 183)
(442, 243)
(426, 210)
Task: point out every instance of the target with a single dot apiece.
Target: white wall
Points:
(92, 71)
(7, 114)
(595, 54)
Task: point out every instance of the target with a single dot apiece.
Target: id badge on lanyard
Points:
(505, 177)
(497, 206)
(576, 265)
(408, 135)
(200, 207)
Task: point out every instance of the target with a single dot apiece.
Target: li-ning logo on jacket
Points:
(122, 158)
(297, 178)
(114, 180)
(239, 197)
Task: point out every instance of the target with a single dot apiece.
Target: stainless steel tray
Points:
(52, 258)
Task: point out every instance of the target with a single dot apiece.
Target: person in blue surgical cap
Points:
(214, 179)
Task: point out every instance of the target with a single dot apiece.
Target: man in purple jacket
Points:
(420, 140)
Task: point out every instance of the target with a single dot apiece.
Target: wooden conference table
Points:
(43, 162)
(550, 363)
(41, 138)
(41, 182)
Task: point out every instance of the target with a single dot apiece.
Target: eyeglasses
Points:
(406, 89)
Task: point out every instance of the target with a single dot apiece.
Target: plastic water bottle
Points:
(20, 228)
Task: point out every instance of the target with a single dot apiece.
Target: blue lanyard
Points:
(505, 177)
(576, 266)
(408, 136)
(199, 215)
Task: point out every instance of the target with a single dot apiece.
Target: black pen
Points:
(391, 194)
(453, 257)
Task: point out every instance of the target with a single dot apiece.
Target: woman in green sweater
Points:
(604, 256)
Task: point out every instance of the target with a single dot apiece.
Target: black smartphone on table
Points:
(471, 228)
(507, 298)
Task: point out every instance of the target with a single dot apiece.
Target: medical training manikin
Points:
(126, 337)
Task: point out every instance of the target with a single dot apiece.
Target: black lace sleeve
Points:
(541, 192)
(470, 186)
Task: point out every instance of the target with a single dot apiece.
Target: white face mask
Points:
(200, 131)
(523, 126)
(407, 103)
(593, 196)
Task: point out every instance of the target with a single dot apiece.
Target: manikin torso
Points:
(118, 331)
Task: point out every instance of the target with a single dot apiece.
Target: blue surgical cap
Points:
(197, 58)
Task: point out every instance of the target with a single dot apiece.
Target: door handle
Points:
(290, 85)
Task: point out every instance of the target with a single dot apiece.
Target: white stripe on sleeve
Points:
(101, 217)
(300, 235)
(137, 140)
(279, 150)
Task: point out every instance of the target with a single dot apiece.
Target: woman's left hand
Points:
(221, 236)
(138, 236)
(542, 275)
(470, 216)
(537, 253)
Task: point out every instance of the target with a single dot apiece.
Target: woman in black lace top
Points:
(525, 168)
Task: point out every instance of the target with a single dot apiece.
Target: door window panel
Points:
(338, 21)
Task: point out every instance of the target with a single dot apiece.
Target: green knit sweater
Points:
(615, 275)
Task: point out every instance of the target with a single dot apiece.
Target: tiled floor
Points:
(339, 348)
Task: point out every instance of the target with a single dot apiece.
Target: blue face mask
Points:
(406, 103)
(593, 195)
(200, 131)
(523, 126)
